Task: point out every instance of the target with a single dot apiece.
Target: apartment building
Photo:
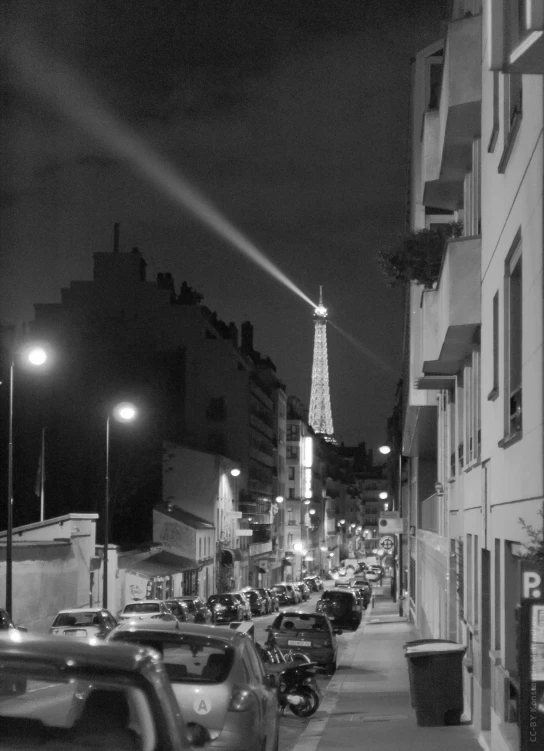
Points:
(473, 424)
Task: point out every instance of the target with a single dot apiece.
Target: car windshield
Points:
(187, 658)
(71, 714)
(78, 618)
(142, 607)
(279, 588)
(300, 622)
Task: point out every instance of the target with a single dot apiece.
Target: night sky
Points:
(290, 116)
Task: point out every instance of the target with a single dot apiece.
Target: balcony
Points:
(429, 513)
(454, 311)
(516, 44)
(449, 132)
(258, 548)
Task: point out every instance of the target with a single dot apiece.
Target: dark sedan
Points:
(344, 607)
(225, 608)
(257, 602)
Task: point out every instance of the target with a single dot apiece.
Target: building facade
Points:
(473, 425)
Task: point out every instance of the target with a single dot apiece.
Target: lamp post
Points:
(34, 356)
(123, 412)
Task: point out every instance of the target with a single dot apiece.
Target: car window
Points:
(190, 604)
(221, 599)
(78, 618)
(102, 716)
(300, 622)
(142, 607)
(187, 658)
(279, 588)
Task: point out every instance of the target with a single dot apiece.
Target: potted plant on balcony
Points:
(417, 255)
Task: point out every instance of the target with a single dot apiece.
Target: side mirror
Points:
(22, 628)
(338, 632)
(268, 628)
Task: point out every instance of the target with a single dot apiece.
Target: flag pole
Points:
(42, 478)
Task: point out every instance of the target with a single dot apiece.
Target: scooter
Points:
(295, 681)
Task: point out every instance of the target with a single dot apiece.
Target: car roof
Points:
(77, 655)
(144, 602)
(80, 609)
(142, 622)
(301, 612)
(197, 629)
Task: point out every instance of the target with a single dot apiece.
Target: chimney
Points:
(116, 237)
(247, 337)
(233, 333)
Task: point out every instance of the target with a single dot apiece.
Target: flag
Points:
(40, 477)
(39, 474)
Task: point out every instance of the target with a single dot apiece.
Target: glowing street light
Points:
(279, 499)
(31, 356)
(235, 472)
(312, 511)
(342, 521)
(122, 412)
(384, 494)
(385, 449)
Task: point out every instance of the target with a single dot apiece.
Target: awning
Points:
(163, 564)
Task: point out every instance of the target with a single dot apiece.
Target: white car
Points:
(145, 609)
(82, 623)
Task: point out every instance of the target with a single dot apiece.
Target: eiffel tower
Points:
(320, 398)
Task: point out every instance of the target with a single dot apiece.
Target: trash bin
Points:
(436, 680)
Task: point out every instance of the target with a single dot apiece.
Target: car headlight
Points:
(220, 607)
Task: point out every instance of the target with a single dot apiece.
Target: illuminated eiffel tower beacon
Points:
(320, 398)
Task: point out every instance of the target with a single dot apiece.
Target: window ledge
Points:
(493, 394)
(509, 146)
(472, 465)
(509, 439)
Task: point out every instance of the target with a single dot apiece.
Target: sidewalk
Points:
(367, 703)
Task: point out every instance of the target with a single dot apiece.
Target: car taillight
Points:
(242, 700)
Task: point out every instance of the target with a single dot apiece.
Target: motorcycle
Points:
(295, 680)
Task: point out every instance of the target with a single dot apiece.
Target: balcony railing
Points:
(429, 513)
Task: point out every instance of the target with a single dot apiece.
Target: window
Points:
(293, 433)
(200, 547)
(513, 342)
(451, 419)
(476, 588)
(216, 411)
(291, 475)
(291, 492)
(469, 579)
(511, 115)
(496, 124)
(498, 593)
(495, 388)
(292, 452)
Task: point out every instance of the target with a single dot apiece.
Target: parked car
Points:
(309, 633)
(145, 609)
(304, 591)
(180, 609)
(374, 574)
(218, 679)
(198, 610)
(101, 696)
(268, 600)
(296, 597)
(83, 623)
(365, 590)
(314, 582)
(274, 604)
(343, 607)
(256, 602)
(6, 622)
(225, 608)
(245, 604)
(282, 595)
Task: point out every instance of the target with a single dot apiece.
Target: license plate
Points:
(294, 643)
(76, 632)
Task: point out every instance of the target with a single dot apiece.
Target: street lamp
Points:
(122, 412)
(34, 356)
(385, 450)
(279, 499)
(235, 472)
(384, 494)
